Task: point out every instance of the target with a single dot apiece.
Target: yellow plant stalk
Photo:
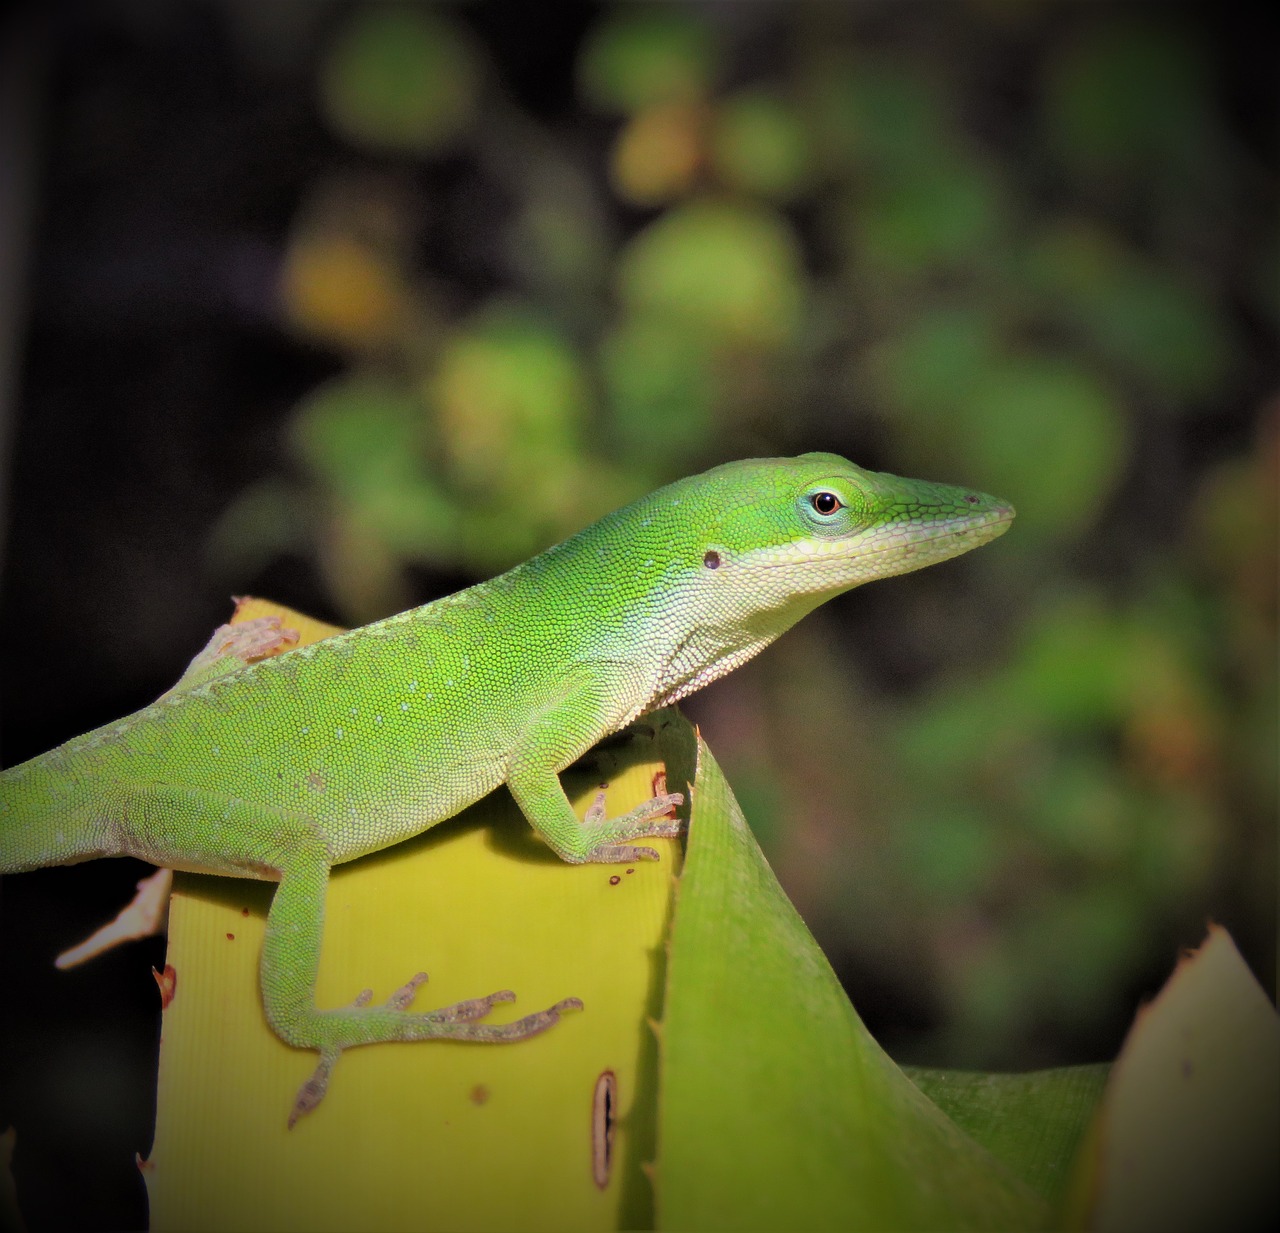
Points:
(432, 1135)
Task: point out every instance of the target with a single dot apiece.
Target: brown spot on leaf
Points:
(167, 982)
(604, 1102)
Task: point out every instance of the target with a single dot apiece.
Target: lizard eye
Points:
(826, 503)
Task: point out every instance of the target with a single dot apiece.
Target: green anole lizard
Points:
(281, 768)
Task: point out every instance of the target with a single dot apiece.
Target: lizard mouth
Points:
(984, 527)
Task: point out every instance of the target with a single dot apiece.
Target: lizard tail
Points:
(48, 817)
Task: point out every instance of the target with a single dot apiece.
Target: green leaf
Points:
(951, 850)
(643, 58)
(1126, 98)
(1060, 414)
(1070, 950)
(945, 212)
(364, 439)
(402, 79)
(778, 1110)
(558, 241)
(1033, 1122)
(662, 387)
(1071, 666)
(1150, 320)
(940, 354)
(886, 114)
(360, 433)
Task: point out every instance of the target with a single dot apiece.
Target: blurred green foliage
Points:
(400, 79)
(766, 228)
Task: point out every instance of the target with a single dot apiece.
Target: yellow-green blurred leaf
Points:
(1071, 667)
(880, 117)
(1070, 947)
(363, 440)
(266, 520)
(1038, 407)
(951, 850)
(512, 400)
(935, 358)
(730, 271)
(511, 396)
(360, 434)
(760, 146)
(559, 242)
(342, 290)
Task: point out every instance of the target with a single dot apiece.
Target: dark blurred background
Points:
(349, 305)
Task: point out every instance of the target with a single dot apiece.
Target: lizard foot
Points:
(455, 1022)
(459, 1012)
(655, 819)
(252, 639)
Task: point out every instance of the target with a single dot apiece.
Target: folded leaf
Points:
(777, 1110)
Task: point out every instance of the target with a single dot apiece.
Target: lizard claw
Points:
(253, 639)
(312, 1092)
(407, 992)
(596, 810)
(472, 1008)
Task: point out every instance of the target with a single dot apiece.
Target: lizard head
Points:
(727, 560)
(817, 524)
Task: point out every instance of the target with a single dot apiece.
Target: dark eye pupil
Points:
(826, 502)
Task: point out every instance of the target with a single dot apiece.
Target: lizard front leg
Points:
(558, 733)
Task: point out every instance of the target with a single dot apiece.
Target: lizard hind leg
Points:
(290, 961)
(465, 1013)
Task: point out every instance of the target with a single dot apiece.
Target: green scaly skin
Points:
(283, 768)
